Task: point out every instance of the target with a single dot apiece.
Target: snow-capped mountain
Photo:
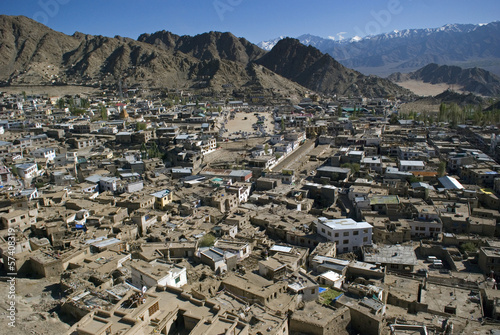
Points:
(409, 49)
(268, 45)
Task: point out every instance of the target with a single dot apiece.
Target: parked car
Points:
(431, 259)
(422, 271)
(437, 264)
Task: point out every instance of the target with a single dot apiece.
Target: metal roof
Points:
(280, 248)
(450, 183)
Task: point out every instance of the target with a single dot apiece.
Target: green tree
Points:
(394, 119)
(443, 112)
(441, 170)
(468, 247)
(84, 103)
(154, 151)
(60, 103)
(207, 240)
(13, 170)
(77, 111)
(355, 167)
(144, 151)
(455, 115)
(103, 111)
(141, 126)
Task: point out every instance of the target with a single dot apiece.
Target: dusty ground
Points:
(235, 150)
(37, 304)
(54, 91)
(426, 89)
(240, 124)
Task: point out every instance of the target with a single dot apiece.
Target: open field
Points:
(233, 151)
(244, 121)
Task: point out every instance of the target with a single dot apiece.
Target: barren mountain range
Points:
(464, 45)
(475, 80)
(31, 53)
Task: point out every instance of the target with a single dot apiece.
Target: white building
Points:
(411, 165)
(30, 194)
(208, 146)
(27, 170)
(425, 228)
(108, 184)
(242, 190)
(373, 163)
(285, 147)
(47, 153)
(332, 279)
(157, 273)
(348, 234)
(295, 136)
(67, 158)
(276, 138)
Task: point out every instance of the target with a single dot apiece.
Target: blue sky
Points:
(256, 20)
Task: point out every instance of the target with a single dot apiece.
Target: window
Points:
(365, 231)
(346, 249)
(355, 233)
(365, 239)
(345, 242)
(313, 291)
(346, 233)
(336, 234)
(177, 279)
(329, 233)
(322, 230)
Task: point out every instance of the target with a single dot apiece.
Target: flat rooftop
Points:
(491, 252)
(391, 254)
(155, 270)
(339, 224)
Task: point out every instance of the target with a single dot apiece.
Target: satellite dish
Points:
(144, 289)
(143, 301)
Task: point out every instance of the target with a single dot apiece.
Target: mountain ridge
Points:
(475, 80)
(465, 45)
(35, 54)
(311, 68)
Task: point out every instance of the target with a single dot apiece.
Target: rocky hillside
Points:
(448, 97)
(207, 46)
(475, 80)
(311, 68)
(32, 53)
